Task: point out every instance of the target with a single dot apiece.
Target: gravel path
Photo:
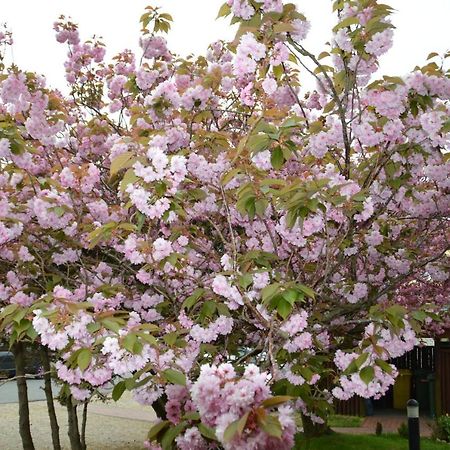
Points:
(122, 426)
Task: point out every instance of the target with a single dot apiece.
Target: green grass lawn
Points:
(345, 421)
(366, 442)
(338, 420)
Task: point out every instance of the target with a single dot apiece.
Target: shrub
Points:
(403, 430)
(379, 429)
(442, 428)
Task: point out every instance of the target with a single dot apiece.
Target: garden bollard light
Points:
(412, 408)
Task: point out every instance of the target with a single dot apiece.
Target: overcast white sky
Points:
(422, 27)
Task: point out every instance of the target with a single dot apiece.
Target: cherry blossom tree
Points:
(205, 234)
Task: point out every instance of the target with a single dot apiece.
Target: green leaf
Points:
(171, 434)
(208, 309)
(269, 291)
(245, 280)
(128, 342)
(59, 211)
(223, 309)
(230, 431)
(329, 107)
(272, 426)
(258, 142)
(394, 80)
(157, 428)
(32, 333)
(175, 377)
(276, 400)
(419, 315)
(315, 127)
(84, 358)
(127, 226)
(23, 326)
(150, 339)
(167, 17)
(193, 415)
(111, 325)
(306, 290)
(446, 127)
(277, 158)
(129, 178)
(283, 28)
(229, 176)
(101, 233)
(225, 10)
(261, 206)
(384, 366)
(284, 308)
(207, 432)
(306, 373)
(121, 162)
(397, 311)
(16, 145)
(250, 207)
(170, 338)
(346, 23)
(291, 122)
(338, 4)
(374, 25)
(8, 310)
(19, 315)
(339, 80)
(190, 301)
(118, 390)
(356, 364)
(242, 422)
(290, 296)
(367, 374)
(361, 359)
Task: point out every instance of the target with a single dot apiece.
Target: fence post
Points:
(412, 408)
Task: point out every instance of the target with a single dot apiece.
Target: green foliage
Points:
(84, 358)
(442, 428)
(403, 430)
(118, 390)
(161, 21)
(175, 377)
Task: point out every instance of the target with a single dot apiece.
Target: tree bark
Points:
(73, 432)
(159, 406)
(45, 359)
(24, 412)
(83, 425)
(311, 429)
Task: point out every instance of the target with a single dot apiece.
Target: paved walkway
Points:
(390, 424)
(108, 428)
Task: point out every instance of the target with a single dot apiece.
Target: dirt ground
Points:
(110, 427)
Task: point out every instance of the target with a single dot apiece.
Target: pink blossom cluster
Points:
(221, 398)
(248, 53)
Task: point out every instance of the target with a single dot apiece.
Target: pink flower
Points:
(161, 249)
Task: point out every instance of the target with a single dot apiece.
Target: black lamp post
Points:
(412, 408)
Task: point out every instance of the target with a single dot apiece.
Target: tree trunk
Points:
(83, 426)
(74, 434)
(24, 413)
(45, 359)
(311, 429)
(159, 406)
